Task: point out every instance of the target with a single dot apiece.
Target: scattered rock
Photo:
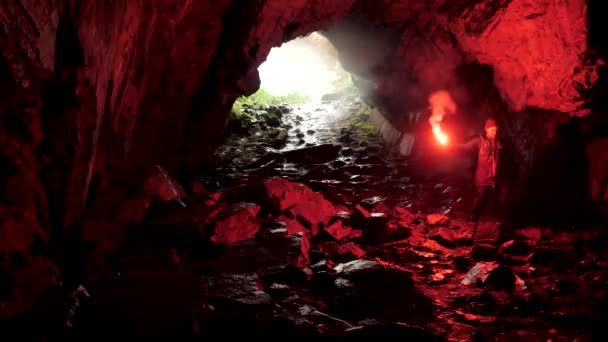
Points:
(374, 226)
(292, 225)
(438, 220)
(484, 252)
(309, 208)
(236, 223)
(517, 248)
(501, 278)
(489, 232)
(326, 323)
(238, 298)
(471, 318)
(272, 120)
(459, 332)
(348, 252)
(404, 217)
(462, 263)
(450, 237)
(437, 278)
(479, 273)
(238, 288)
(279, 138)
(370, 202)
(357, 268)
(531, 234)
(338, 231)
(162, 186)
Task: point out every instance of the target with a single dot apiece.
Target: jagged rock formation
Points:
(97, 94)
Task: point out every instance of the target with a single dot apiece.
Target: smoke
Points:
(441, 104)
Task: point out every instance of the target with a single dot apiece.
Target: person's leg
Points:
(483, 195)
(480, 202)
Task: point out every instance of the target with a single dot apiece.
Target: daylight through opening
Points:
(303, 70)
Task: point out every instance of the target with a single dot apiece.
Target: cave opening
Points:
(306, 66)
(303, 77)
(141, 194)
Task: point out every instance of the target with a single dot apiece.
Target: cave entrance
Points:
(304, 70)
(306, 98)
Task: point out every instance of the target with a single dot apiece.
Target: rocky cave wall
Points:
(96, 94)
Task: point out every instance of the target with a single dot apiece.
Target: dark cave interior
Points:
(134, 202)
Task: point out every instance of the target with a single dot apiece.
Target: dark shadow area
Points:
(58, 93)
(5, 69)
(556, 187)
(598, 48)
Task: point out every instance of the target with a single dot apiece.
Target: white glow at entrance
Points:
(307, 66)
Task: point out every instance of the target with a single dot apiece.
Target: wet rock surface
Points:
(342, 238)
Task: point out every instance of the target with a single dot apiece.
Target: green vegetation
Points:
(362, 124)
(345, 84)
(263, 98)
(366, 129)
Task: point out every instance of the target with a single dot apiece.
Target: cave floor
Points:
(384, 252)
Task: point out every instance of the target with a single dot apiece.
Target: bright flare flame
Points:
(307, 66)
(442, 138)
(441, 102)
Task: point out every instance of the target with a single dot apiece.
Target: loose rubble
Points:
(306, 241)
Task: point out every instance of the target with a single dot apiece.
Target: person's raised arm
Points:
(469, 145)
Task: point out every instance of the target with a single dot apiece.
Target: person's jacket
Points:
(487, 159)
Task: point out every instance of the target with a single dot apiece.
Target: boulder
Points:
(292, 225)
(348, 252)
(131, 210)
(531, 234)
(311, 209)
(338, 230)
(479, 273)
(515, 248)
(162, 187)
(438, 220)
(485, 252)
(374, 226)
(404, 216)
(238, 297)
(237, 222)
(279, 138)
(451, 237)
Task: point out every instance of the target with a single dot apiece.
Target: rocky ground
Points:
(313, 227)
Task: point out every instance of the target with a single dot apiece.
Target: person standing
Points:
(488, 150)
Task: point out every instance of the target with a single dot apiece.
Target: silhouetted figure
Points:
(488, 154)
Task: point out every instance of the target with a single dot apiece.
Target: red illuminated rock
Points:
(404, 216)
(132, 210)
(531, 234)
(309, 208)
(239, 222)
(438, 220)
(338, 231)
(484, 252)
(375, 227)
(292, 225)
(163, 187)
(451, 237)
(348, 252)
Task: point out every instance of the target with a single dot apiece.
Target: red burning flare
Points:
(441, 103)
